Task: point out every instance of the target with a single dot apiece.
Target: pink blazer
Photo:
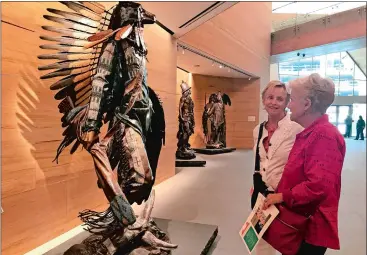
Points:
(311, 180)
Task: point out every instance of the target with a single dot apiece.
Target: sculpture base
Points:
(191, 238)
(185, 155)
(198, 161)
(214, 151)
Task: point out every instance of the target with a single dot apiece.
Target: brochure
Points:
(257, 223)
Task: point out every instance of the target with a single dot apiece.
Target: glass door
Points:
(358, 110)
(337, 115)
(331, 111)
(343, 112)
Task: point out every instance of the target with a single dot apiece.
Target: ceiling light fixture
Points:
(213, 61)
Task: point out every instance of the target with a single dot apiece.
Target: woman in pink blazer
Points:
(311, 179)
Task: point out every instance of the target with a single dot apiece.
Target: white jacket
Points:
(272, 163)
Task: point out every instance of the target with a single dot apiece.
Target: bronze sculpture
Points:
(186, 123)
(214, 121)
(104, 78)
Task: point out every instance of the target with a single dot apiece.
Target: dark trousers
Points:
(360, 133)
(348, 131)
(309, 249)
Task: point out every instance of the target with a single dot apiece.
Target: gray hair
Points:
(321, 91)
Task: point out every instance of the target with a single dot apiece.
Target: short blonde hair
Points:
(275, 84)
(321, 91)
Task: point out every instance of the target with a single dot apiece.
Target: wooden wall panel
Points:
(240, 36)
(338, 27)
(245, 102)
(40, 198)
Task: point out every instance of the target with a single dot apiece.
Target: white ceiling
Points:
(176, 14)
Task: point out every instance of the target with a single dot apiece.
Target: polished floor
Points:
(218, 194)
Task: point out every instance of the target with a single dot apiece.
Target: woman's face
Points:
(298, 104)
(275, 101)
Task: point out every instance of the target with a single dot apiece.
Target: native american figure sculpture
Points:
(214, 121)
(186, 123)
(104, 79)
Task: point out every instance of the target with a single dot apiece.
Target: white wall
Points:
(274, 72)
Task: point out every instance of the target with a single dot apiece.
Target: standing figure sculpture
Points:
(214, 121)
(186, 123)
(105, 79)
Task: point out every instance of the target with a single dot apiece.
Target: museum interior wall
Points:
(246, 46)
(41, 199)
(245, 103)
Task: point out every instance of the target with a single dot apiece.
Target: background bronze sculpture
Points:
(186, 123)
(104, 79)
(214, 121)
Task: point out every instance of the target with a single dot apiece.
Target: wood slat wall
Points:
(41, 199)
(245, 102)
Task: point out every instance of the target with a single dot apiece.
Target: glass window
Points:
(332, 63)
(343, 113)
(346, 87)
(331, 111)
(305, 67)
(287, 78)
(358, 74)
(360, 88)
(348, 78)
(359, 82)
(319, 65)
(342, 128)
(289, 68)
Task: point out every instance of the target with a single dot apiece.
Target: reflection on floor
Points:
(218, 194)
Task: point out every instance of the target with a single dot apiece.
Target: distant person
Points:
(348, 122)
(361, 124)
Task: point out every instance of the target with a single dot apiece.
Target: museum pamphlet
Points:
(257, 223)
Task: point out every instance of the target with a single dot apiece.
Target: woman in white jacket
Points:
(278, 136)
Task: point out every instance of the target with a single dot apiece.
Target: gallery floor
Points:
(218, 194)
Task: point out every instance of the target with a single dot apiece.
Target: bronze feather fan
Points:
(76, 55)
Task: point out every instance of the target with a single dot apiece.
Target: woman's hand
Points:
(273, 199)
